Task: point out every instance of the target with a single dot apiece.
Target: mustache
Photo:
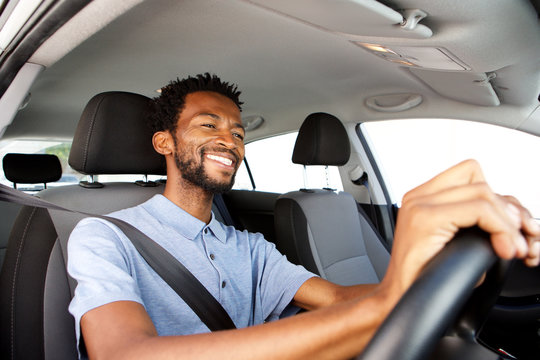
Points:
(220, 149)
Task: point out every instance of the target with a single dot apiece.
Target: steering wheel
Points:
(432, 303)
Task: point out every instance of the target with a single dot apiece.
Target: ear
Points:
(163, 142)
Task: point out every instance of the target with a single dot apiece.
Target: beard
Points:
(196, 174)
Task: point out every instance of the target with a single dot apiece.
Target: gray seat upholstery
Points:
(25, 169)
(322, 229)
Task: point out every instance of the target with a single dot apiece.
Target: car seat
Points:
(24, 169)
(112, 137)
(322, 229)
(32, 168)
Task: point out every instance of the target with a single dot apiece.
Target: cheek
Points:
(240, 162)
(187, 150)
(242, 150)
(187, 144)
(241, 154)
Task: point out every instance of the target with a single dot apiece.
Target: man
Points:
(123, 308)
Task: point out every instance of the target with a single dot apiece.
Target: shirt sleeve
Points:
(97, 260)
(279, 280)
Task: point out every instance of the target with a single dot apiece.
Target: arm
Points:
(124, 330)
(316, 293)
(430, 216)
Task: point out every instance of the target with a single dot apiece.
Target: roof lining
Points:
(94, 17)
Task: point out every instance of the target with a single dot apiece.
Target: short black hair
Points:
(165, 109)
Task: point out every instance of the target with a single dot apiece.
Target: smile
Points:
(220, 159)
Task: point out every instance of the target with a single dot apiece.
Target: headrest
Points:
(32, 168)
(322, 140)
(113, 137)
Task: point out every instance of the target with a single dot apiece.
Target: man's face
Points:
(209, 141)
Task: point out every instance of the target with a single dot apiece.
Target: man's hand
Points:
(432, 213)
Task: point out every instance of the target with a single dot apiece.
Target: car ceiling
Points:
(286, 66)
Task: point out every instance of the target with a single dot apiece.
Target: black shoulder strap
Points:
(222, 207)
(364, 182)
(173, 272)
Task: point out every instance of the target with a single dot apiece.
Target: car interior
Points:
(319, 228)
(82, 72)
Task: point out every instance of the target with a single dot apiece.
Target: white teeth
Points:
(222, 160)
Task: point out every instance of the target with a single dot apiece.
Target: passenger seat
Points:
(322, 229)
(24, 169)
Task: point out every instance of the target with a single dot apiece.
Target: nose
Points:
(226, 138)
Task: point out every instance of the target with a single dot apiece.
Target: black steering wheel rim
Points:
(433, 302)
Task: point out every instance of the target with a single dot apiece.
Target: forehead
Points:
(209, 102)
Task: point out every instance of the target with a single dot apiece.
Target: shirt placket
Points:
(208, 241)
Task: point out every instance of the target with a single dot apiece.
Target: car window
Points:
(58, 148)
(272, 169)
(410, 152)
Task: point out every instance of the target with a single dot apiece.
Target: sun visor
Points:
(467, 87)
(530, 125)
(357, 18)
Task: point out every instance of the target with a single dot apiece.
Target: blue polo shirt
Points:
(243, 271)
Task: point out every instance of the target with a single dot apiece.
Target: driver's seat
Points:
(112, 138)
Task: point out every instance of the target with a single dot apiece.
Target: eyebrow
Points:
(240, 126)
(217, 117)
(213, 116)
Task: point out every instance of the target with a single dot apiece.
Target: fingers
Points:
(475, 191)
(528, 223)
(432, 213)
(513, 231)
(533, 258)
(466, 172)
(531, 231)
(444, 219)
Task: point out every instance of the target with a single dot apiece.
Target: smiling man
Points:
(203, 147)
(124, 310)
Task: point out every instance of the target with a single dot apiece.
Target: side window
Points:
(410, 152)
(273, 170)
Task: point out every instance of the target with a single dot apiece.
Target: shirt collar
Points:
(180, 220)
(217, 229)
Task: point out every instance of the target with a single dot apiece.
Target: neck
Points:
(194, 200)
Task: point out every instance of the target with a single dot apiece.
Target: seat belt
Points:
(222, 207)
(172, 271)
(363, 181)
